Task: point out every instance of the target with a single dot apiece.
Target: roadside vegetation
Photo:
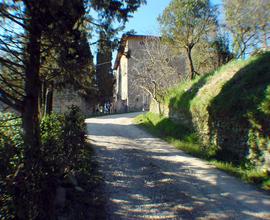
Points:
(227, 118)
(66, 176)
(46, 170)
(187, 140)
(46, 47)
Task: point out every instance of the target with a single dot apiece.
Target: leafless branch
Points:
(155, 67)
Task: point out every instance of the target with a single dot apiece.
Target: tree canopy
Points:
(248, 23)
(185, 23)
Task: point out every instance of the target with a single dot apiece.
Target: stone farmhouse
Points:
(128, 96)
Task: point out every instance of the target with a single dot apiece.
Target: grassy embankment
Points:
(229, 107)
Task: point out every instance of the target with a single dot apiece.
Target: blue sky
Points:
(144, 20)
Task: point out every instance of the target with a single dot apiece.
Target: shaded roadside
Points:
(81, 195)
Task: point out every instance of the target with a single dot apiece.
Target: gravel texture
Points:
(146, 178)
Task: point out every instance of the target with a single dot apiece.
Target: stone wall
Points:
(121, 86)
(138, 99)
(176, 116)
(67, 97)
(230, 138)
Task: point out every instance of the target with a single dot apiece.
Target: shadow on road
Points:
(147, 179)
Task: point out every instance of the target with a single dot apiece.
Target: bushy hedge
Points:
(259, 133)
(63, 141)
(11, 156)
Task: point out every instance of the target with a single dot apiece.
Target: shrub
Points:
(11, 142)
(11, 156)
(63, 138)
(259, 133)
(74, 136)
(62, 143)
(52, 143)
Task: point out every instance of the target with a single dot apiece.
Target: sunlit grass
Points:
(185, 139)
(250, 175)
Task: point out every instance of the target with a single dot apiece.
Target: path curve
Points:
(146, 178)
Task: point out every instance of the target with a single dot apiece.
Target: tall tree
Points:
(184, 23)
(28, 30)
(248, 23)
(112, 16)
(104, 74)
(21, 48)
(119, 10)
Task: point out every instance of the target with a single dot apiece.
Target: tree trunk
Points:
(43, 98)
(159, 108)
(49, 99)
(190, 62)
(31, 127)
(30, 115)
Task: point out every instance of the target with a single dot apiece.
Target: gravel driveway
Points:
(146, 178)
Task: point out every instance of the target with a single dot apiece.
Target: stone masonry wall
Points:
(67, 97)
(138, 99)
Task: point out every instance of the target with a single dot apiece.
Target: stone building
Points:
(128, 96)
(133, 53)
(65, 98)
(62, 100)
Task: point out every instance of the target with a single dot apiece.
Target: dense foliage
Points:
(248, 32)
(104, 75)
(246, 115)
(63, 144)
(185, 24)
(11, 156)
(211, 103)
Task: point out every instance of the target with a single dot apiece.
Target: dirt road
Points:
(146, 178)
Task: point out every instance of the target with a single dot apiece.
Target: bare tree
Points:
(156, 69)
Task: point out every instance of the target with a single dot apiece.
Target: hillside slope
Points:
(230, 110)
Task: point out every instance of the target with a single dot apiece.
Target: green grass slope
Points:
(229, 111)
(229, 108)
